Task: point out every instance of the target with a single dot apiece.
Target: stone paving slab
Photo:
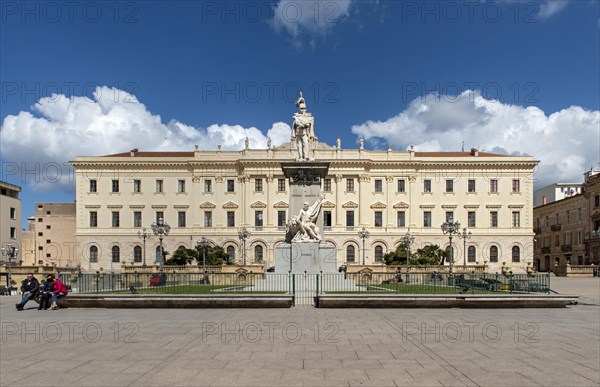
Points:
(304, 346)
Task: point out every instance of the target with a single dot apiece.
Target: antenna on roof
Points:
(463, 146)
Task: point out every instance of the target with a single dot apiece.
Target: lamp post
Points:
(161, 228)
(11, 253)
(407, 240)
(363, 234)
(145, 233)
(203, 243)
(451, 228)
(465, 235)
(244, 234)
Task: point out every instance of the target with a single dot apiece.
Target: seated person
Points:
(59, 290)
(29, 289)
(46, 293)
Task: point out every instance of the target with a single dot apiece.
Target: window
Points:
(378, 253)
(281, 185)
(115, 186)
(258, 218)
(350, 218)
(450, 216)
(401, 219)
(449, 186)
(516, 186)
(494, 254)
(48, 241)
(159, 186)
(494, 219)
(48, 227)
(181, 219)
(349, 185)
(557, 240)
(207, 218)
(207, 185)
(116, 254)
(378, 219)
(93, 219)
(40, 220)
(13, 213)
(378, 185)
(160, 215)
(327, 218)
(327, 185)
(494, 185)
(137, 254)
(230, 218)
(471, 254)
(471, 186)
(230, 185)
(258, 185)
(516, 254)
(597, 201)
(93, 186)
(427, 219)
(93, 254)
(258, 254)
(137, 186)
(426, 185)
(280, 218)
(13, 233)
(181, 186)
(350, 254)
(516, 219)
(137, 219)
(40, 234)
(230, 253)
(115, 219)
(471, 219)
(401, 185)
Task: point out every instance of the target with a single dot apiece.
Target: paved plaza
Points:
(305, 346)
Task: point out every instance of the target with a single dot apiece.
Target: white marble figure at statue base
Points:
(302, 226)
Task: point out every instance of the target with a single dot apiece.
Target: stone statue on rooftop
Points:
(302, 130)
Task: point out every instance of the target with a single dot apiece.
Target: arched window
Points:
(231, 253)
(137, 254)
(116, 254)
(471, 254)
(350, 253)
(181, 248)
(494, 254)
(94, 254)
(258, 254)
(516, 254)
(378, 253)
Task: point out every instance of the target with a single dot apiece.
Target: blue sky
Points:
(507, 74)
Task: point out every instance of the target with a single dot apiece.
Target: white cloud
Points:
(309, 19)
(551, 7)
(566, 142)
(112, 122)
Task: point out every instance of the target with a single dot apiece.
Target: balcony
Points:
(566, 248)
(537, 230)
(555, 227)
(545, 250)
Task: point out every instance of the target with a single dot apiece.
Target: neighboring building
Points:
(565, 228)
(50, 239)
(555, 192)
(216, 193)
(10, 217)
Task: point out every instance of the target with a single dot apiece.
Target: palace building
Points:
(217, 193)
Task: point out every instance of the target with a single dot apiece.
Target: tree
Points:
(429, 255)
(215, 255)
(397, 257)
(181, 257)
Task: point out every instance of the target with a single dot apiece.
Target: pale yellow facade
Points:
(364, 188)
(10, 219)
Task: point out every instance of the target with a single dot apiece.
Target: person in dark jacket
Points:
(46, 293)
(29, 289)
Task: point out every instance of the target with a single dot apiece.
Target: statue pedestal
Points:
(305, 258)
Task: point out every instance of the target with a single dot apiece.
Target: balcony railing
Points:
(537, 230)
(555, 227)
(545, 250)
(565, 248)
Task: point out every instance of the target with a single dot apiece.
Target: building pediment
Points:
(328, 204)
(280, 205)
(207, 205)
(427, 206)
(137, 206)
(159, 206)
(449, 206)
(92, 206)
(378, 205)
(401, 205)
(516, 206)
(181, 206)
(350, 204)
(114, 206)
(258, 204)
(494, 206)
(471, 206)
(230, 206)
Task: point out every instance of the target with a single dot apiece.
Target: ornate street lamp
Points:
(244, 234)
(145, 233)
(11, 252)
(451, 228)
(161, 228)
(204, 243)
(363, 234)
(465, 235)
(407, 240)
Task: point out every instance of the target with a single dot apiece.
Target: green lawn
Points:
(411, 289)
(194, 289)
